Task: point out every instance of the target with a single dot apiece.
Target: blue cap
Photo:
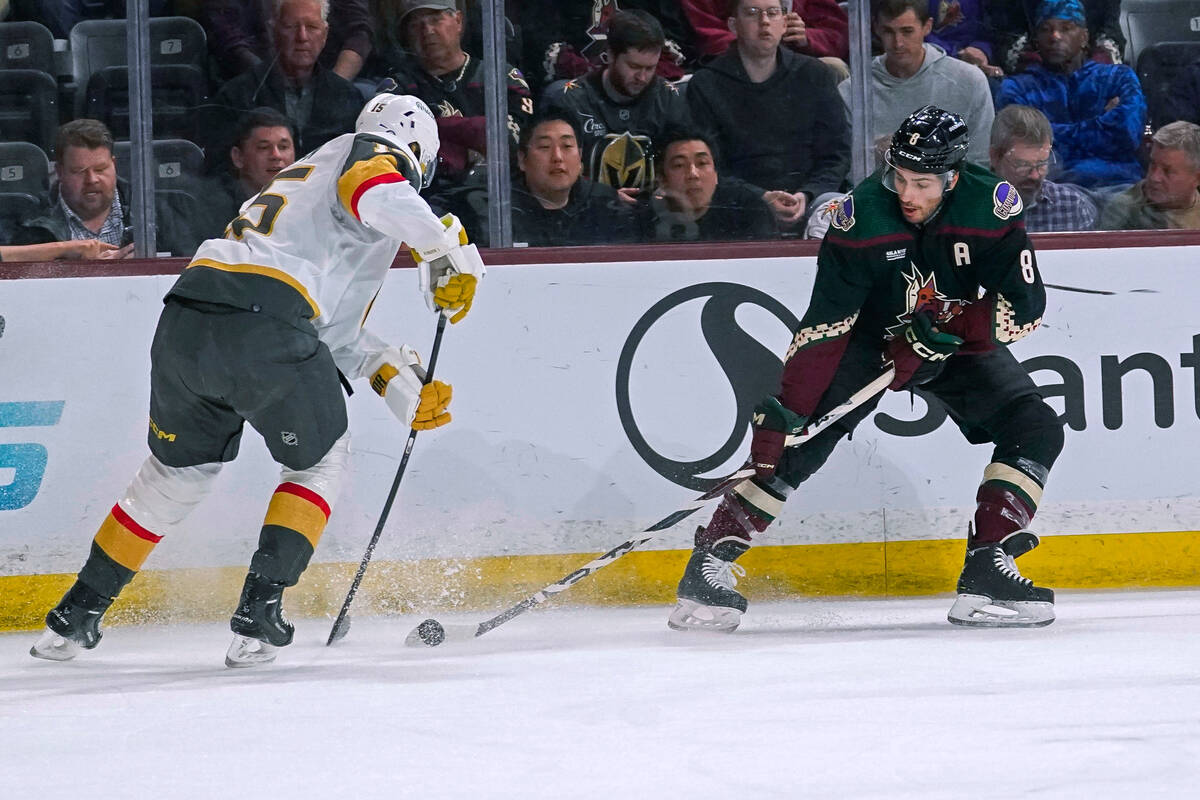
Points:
(1070, 10)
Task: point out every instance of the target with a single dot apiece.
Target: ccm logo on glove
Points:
(396, 376)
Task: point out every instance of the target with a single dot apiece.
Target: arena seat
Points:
(26, 45)
(1157, 67)
(28, 107)
(177, 162)
(1148, 22)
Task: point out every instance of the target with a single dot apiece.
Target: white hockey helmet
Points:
(406, 121)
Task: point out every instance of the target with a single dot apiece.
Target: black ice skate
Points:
(993, 594)
(72, 624)
(707, 600)
(259, 624)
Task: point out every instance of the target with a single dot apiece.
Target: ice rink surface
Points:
(809, 699)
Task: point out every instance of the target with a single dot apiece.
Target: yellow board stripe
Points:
(1003, 472)
(122, 545)
(258, 269)
(892, 569)
(295, 513)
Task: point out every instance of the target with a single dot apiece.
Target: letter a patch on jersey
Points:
(842, 213)
(1007, 200)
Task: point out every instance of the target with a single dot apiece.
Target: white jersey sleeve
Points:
(329, 227)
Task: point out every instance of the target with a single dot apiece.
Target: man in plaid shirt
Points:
(89, 201)
(1020, 152)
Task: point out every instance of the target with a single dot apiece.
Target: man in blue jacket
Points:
(1097, 111)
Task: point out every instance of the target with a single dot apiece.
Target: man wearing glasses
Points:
(1020, 152)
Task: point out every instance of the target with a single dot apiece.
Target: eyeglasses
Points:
(1027, 168)
(754, 12)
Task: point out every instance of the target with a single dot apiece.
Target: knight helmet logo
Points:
(624, 161)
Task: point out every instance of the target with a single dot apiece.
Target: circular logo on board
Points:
(750, 368)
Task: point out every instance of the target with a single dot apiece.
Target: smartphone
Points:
(127, 236)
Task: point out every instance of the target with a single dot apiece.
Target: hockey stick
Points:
(432, 633)
(341, 626)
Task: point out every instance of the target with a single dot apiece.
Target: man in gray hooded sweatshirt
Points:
(911, 74)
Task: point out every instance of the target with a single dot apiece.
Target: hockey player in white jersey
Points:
(257, 329)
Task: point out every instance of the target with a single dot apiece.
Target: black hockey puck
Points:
(431, 632)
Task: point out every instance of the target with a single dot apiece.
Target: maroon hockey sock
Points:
(731, 519)
(998, 512)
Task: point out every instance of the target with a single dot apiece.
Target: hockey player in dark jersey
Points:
(262, 327)
(926, 265)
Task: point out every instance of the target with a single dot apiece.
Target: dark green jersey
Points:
(971, 266)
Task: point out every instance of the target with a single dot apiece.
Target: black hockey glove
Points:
(920, 343)
(773, 423)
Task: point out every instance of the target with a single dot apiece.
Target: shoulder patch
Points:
(841, 213)
(1007, 201)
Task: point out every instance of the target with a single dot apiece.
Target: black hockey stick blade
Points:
(1106, 292)
(432, 633)
(341, 625)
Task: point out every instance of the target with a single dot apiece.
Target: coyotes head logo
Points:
(922, 297)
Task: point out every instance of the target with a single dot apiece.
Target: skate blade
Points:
(54, 647)
(692, 616)
(248, 652)
(978, 611)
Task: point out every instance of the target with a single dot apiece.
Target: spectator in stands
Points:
(692, 204)
(817, 28)
(320, 103)
(263, 144)
(1097, 110)
(1022, 154)
(963, 29)
(1166, 197)
(62, 15)
(912, 73)
(775, 112)
(552, 203)
(87, 201)
(239, 35)
(623, 108)
(1183, 99)
(565, 39)
(450, 81)
(1013, 30)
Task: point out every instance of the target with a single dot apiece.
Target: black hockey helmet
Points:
(930, 140)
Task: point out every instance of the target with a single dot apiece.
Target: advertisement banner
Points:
(592, 399)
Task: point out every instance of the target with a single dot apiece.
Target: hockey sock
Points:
(1006, 501)
(745, 510)
(294, 523)
(118, 552)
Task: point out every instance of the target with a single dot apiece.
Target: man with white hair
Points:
(320, 103)
(1166, 197)
(263, 326)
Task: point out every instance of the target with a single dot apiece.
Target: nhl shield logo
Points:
(842, 213)
(289, 438)
(1007, 200)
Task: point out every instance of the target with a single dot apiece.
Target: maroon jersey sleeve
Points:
(839, 291)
